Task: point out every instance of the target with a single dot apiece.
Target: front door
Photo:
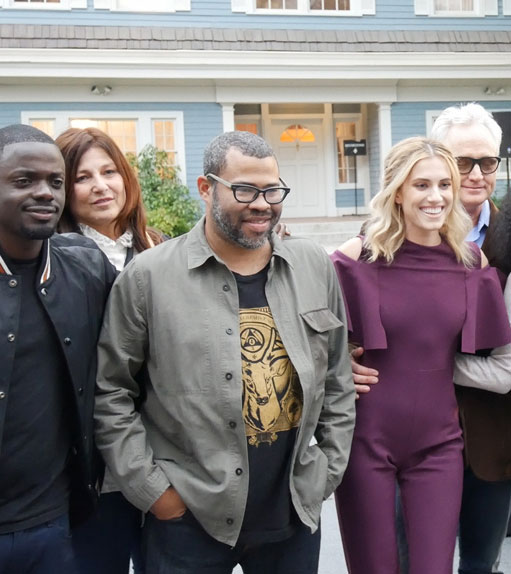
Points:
(298, 144)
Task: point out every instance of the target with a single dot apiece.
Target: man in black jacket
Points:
(52, 294)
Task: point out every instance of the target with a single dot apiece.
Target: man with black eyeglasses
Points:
(474, 137)
(248, 408)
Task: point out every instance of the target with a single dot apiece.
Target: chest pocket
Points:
(319, 323)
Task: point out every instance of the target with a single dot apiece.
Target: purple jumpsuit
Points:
(411, 317)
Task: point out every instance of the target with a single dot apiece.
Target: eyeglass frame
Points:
(478, 162)
(257, 190)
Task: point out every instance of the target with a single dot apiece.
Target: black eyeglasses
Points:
(487, 165)
(245, 193)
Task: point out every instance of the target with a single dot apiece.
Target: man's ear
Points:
(204, 186)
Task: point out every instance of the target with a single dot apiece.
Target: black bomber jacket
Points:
(74, 281)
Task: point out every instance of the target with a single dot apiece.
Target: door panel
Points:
(301, 165)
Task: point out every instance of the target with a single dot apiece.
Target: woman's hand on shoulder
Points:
(282, 230)
(484, 260)
(352, 248)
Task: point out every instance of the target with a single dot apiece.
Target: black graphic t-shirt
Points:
(272, 408)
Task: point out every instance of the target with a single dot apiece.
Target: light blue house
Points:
(306, 74)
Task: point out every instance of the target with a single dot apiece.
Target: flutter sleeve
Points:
(359, 282)
(486, 324)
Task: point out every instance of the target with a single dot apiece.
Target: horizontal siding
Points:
(373, 130)
(202, 122)
(390, 15)
(346, 198)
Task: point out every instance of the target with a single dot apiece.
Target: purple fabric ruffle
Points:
(485, 327)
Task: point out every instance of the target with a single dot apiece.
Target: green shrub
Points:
(169, 205)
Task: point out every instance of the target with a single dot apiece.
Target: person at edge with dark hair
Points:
(416, 291)
(474, 138)
(53, 289)
(104, 203)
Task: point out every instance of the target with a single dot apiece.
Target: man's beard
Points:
(38, 232)
(233, 233)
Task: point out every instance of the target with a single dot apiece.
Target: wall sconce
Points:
(495, 92)
(100, 90)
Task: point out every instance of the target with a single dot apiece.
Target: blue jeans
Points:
(43, 549)
(106, 542)
(485, 511)
(182, 546)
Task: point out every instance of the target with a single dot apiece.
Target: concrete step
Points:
(328, 232)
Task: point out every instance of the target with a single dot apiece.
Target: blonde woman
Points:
(415, 292)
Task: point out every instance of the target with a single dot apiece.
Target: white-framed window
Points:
(130, 130)
(456, 8)
(305, 7)
(43, 4)
(347, 127)
(248, 123)
(146, 6)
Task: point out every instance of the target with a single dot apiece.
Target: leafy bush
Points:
(169, 205)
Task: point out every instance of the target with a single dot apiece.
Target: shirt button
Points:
(44, 292)
(67, 341)
(13, 283)
(232, 424)
(226, 288)
(2, 395)
(230, 521)
(229, 331)
(228, 376)
(80, 391)
(239, 471)
(11, 337)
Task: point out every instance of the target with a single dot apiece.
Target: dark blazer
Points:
(486, 420)
(73, 290)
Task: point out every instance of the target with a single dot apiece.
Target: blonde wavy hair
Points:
(385, 228)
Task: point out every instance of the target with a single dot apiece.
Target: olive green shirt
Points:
(175, 308)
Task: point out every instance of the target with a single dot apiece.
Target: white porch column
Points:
(330, 157)
(385, 131)
(228, 117)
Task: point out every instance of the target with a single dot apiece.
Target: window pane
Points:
(46, 126)
(329, 4)
(38, 1)
(277, 4)
(164, 138)
(345, 164)
(252, 127)
(454, 5)
(297, 133)
(123, 132)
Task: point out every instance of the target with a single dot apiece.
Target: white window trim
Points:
(356, 118)
(427, 8)
(62, 5)
(170, 6)
(360, 8)
(144, 127)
